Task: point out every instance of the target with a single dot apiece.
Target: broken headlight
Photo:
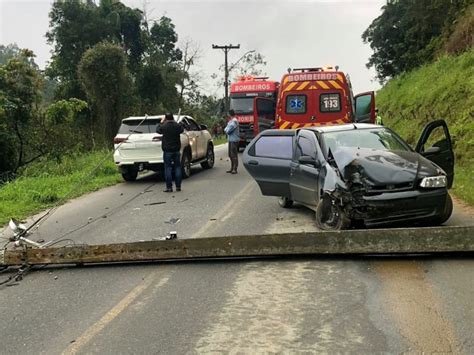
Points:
(433, 182)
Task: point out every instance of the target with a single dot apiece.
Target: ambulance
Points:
(319, 97)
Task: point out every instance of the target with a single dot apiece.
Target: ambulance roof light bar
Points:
(326, 68)
(250, 78)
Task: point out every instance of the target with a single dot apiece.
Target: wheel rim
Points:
(187, 166)
(210, 157)
(330, 216)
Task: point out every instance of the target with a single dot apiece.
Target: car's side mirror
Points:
(203, 127)
(307, 160)
(432, 150)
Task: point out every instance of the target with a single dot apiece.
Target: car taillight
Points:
(156, 139)
(119, 140)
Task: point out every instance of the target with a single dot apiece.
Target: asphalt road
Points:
(357, 305)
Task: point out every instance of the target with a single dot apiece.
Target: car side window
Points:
(279, 147)
(193, 126)
(305, 146)
(184, 122)
(438, 139)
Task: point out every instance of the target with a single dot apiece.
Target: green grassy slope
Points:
(49, 183)
(444, 89)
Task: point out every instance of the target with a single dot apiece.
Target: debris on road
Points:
(173, 220)
(154, 203)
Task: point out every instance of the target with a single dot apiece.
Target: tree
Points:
(189, 80)
(20, 86)
(251, 63)
(106, 80)
(408, 34)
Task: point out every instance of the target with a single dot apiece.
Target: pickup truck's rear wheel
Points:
(129, 173)
(209, 163)
(186, 165)
(330, 216)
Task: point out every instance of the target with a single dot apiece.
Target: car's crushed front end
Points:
(383, 187)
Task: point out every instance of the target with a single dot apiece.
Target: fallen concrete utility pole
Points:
(376, 241)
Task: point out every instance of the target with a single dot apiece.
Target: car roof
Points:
(159, 117)
(343, 127)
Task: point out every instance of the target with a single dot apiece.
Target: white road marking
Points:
(97, 327)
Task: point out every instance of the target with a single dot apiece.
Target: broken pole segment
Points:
(372, 241)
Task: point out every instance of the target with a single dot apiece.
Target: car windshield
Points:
(134, 126)
(376, 138)
(242, 105)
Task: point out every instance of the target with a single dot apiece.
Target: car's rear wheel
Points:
(129, 173)
(186, 165)
(285, 202)
(330, 216)
(209, 163)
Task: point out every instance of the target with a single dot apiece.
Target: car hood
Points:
(381, 167)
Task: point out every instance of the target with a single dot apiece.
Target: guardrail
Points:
(373, 241)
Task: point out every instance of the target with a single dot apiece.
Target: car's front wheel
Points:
(448, 211)
(129, 173)
(330, 216)
(285, 202)
(186, 165)
(209, 163)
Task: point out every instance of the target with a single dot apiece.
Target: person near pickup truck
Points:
(171, 145)
(233, 138)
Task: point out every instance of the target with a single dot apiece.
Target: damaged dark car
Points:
(357, 174)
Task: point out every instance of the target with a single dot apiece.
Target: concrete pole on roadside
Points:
(226, 50)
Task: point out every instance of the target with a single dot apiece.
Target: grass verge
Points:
(48, 183)
(443, 89)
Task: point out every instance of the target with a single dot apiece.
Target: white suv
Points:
(139, 148)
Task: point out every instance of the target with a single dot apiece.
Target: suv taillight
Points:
(156, 139)
(119, 140)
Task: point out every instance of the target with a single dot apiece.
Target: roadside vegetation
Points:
(424, 54)
(443, 89)
(47, 183)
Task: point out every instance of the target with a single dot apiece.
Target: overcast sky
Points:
(287, 33)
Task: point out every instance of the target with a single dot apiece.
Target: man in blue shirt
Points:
(233, 138)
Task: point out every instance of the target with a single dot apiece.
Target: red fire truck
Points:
(243, 95)
(319, 97)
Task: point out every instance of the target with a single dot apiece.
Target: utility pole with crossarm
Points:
(226, 50)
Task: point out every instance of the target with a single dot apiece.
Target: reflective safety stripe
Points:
(303, 85)
(335, 84)
(290, 86)
(293, 125)
(284, 125)
(339, 77)
(323, 85)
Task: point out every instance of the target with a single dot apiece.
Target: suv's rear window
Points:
(130, 126)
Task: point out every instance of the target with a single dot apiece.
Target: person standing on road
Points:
(233, 137)
(171, 145)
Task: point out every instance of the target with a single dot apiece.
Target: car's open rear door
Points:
(267, 158)
(435, 144)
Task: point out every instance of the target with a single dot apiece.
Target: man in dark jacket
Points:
(171, 145)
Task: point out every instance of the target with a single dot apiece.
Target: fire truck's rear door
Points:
(267, 158)
(264, 114)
